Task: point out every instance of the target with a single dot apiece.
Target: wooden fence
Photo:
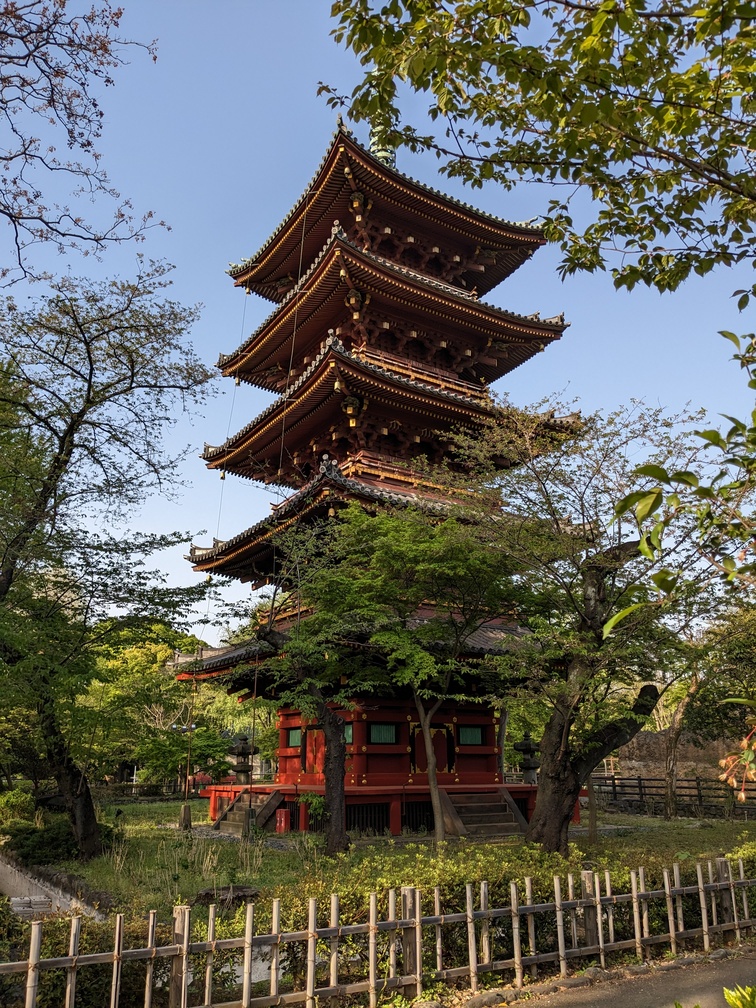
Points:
(695, 796)
(403, 948)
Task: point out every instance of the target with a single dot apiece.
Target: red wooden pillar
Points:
(395, 817)
(359, 760)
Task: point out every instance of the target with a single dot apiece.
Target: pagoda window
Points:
(348, 732)
(293, 738)
(382, 734)
(470, 734)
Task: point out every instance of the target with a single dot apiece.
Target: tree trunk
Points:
(563, 773)
(426, 717)
(558, 789)
(501, 738)
(73, 784)
(671, 744)
(334, 764)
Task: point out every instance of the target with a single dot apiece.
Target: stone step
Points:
(236, 828)
(493, 829)
(483, 798)
(494, 815)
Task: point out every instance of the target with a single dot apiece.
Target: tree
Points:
(647, 108)
(93, 375)
(52, 63)
(600, 676)
(408, 589)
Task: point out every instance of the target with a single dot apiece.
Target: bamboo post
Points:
(485, 926)
(610, 906)
(275, 948)
(32, 969)
(733, 900)
(636, 915)
(560, 926)
(725, 895)
(115, 983)
(73, 950)
(373, 950)
(744, 892)
(392, 933)
(333, 962)
(531, 926)
(670, 913)
(643, 902)
(588, 892)
(573, 914)
(151, 930)
(599, 919)
(210, 956)
(439, 936)
(249, 930)
(180, 960)
(678, 898)
(514, 906)
(409, 963)
(419, 940)
(704, 911)
(712, 894)
(472, 945)
(312, 948)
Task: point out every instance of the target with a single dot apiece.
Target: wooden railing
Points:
(412, 943)
(695, 796)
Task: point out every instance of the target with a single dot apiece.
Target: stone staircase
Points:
(247, 812)
(487, 814)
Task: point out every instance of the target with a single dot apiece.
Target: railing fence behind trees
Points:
(405, 947)
(695, 796)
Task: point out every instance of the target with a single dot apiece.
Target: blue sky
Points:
(222, 135)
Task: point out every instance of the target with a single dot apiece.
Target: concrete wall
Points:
(15, 881)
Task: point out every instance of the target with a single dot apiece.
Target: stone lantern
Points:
(243, 752)
(528, 762)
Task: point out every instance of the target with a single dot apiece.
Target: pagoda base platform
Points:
(475, 810)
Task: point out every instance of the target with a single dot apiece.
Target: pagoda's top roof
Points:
(299, 236)
(381, 276)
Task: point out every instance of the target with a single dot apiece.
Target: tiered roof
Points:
(349, 173)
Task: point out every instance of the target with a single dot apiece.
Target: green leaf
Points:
(648, 505)
(618, 617)
(654, 471)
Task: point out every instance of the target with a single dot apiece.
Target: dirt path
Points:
(698, 984)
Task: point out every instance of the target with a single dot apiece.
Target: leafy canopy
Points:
(642, 111)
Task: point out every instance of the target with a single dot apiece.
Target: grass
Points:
(153, 865)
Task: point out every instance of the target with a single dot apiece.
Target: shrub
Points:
(47, 844)
(14, 806)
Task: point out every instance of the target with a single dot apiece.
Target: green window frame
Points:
(470, 734)
(348, 732)
(293, 738)
(382, 734)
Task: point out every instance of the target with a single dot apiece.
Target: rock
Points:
(427, 1004)
(672, 965)
(719, 954)
(487, 998)
(536, 990)
(596, 973)
(638, 968)
(230, 895)
(577, 981)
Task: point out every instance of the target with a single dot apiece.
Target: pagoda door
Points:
(443, 746)
(315, 753)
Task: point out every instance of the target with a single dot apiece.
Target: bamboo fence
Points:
(404, 949)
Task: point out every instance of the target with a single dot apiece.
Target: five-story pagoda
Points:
(379, 346)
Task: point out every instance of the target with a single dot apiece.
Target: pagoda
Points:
(379, 346)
